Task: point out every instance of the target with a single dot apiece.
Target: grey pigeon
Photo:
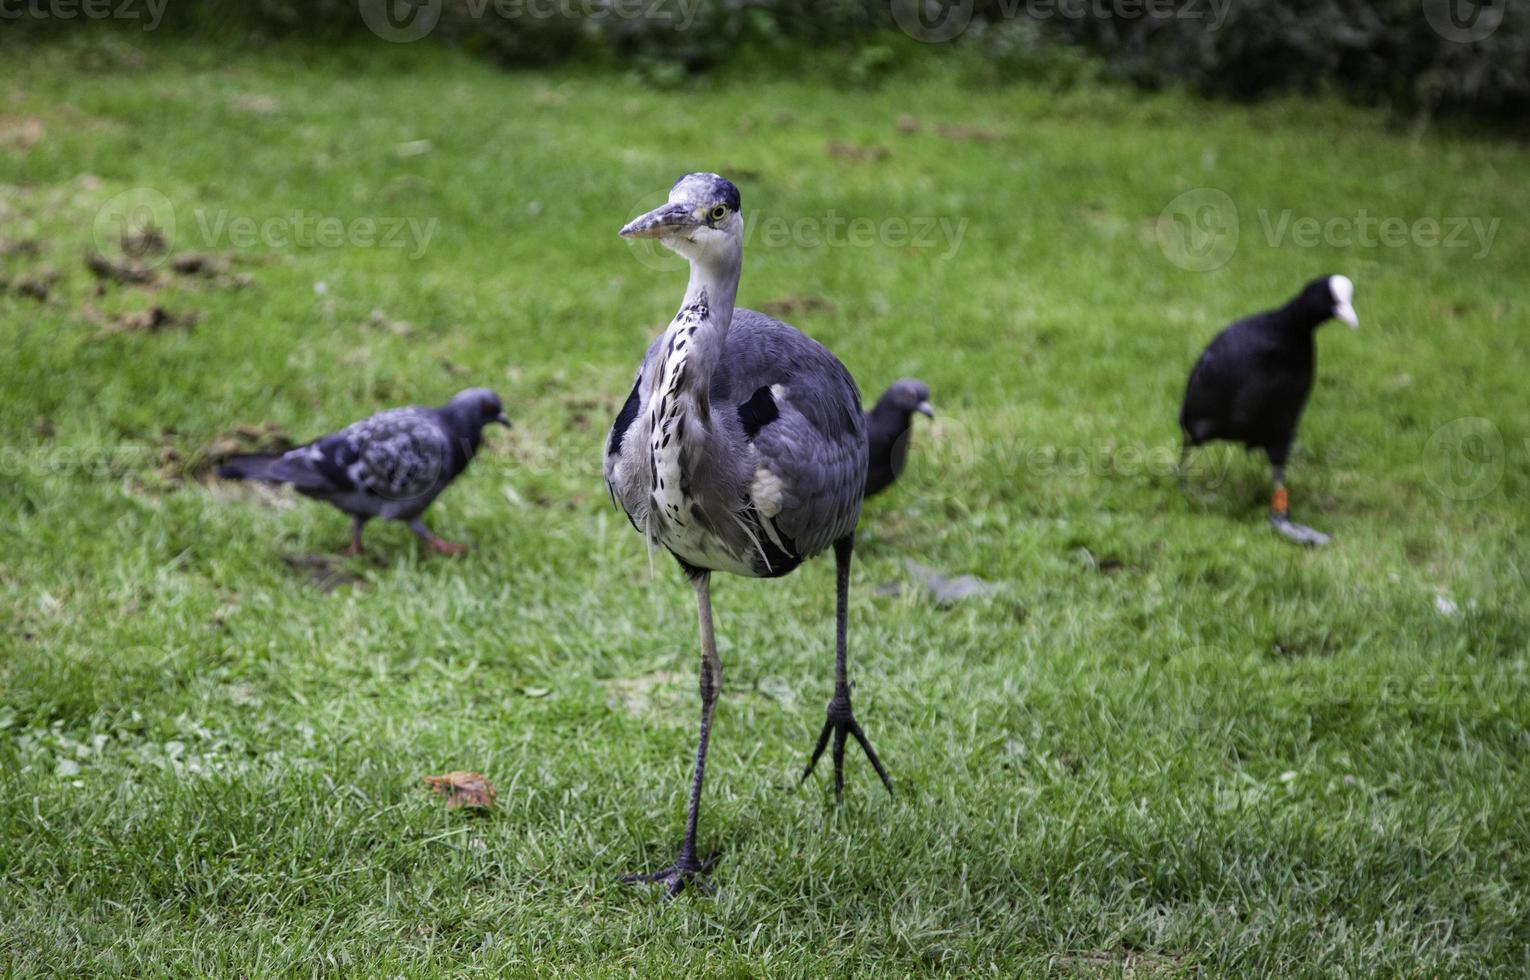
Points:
(392, 465)
(1252, 382)
(742, 448)
(888, 428)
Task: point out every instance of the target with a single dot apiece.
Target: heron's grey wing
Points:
(400, 454)
(625, 472)
(801, 412)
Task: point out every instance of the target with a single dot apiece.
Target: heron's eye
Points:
(720, 212)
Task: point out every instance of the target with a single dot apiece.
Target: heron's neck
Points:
(714, 284)
(699, 332)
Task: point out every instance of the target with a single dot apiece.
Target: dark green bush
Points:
(1388, 52)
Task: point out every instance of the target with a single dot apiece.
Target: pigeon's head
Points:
(701, 220)
(477, 407)
(1331, 296)
(908, 395)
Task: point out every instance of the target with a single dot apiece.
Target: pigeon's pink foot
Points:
(443, 547)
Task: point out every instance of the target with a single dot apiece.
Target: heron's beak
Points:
(925, 409)
(503, 420)
(664, 221)
(1346, 311)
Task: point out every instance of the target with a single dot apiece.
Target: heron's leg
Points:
(357, 523)
(1280, 512)
(687, 865)
(841, 720)
(439, 545)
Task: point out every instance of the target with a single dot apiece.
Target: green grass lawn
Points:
(1172, 743)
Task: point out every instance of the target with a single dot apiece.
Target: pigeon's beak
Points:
(1346, 311)
(665, 221)
(503, 420)
(925, 409)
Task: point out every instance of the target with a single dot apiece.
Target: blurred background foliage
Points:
(1386, 53)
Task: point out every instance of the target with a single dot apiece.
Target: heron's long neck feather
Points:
(680, 408)
(713, 287)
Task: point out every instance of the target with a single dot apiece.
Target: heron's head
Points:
(908, 395)
(478, 407)
(700, 221)
(1331, 296)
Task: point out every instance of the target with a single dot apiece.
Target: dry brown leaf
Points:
(464, 789)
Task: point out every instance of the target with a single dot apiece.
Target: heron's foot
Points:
(441, 546)
(686, 869)
(840, 723)
(352, 550)
(1299, 533)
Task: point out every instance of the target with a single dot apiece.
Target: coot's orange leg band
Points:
(1280, 503)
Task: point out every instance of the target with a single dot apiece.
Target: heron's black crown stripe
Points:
(726, 191)
(758, 412)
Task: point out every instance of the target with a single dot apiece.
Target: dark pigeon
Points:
(888, 428)
(392, 465)
(1252, 382)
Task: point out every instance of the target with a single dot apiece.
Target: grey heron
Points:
(741, 448)
(1251, 384)
(392, 465)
